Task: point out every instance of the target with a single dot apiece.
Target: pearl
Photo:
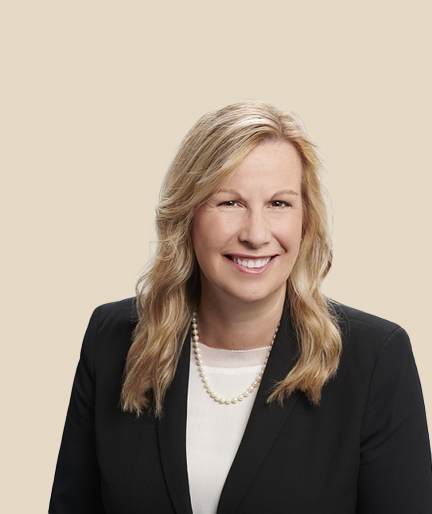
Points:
(224, 401)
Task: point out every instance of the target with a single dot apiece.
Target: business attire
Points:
(363, 450)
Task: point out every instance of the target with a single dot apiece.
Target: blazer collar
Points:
(265, 422)
(172, 435)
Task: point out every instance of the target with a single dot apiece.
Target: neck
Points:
(238, 326)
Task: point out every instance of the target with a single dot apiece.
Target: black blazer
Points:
(364, 449)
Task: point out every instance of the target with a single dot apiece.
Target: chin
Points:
(257, 296)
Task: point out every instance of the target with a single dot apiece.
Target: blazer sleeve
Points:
(76, 486)
(395, 472)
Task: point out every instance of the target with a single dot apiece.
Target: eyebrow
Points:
(286, 192)
(278, 193)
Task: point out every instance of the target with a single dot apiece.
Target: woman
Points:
(231, 384)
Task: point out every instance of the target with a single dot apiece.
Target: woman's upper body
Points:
(337, 423)
(363, 449)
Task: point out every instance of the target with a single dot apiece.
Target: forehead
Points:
(269, 164)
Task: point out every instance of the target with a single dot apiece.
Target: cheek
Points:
(198, 230)
(290, 233)
(211, 232)
(197, 240)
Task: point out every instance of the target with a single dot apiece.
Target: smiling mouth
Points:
(249, 263)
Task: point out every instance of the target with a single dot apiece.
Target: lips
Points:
(250, 262)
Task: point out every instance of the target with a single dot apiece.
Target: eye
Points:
(280, 204)
(228, 203)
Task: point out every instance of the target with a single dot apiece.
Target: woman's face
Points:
(247, 236)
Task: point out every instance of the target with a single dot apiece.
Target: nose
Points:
(255, 231)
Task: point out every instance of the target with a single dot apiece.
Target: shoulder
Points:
(363, 321)
(356, 324)
(368, 339)
(122, 312)
(110, 330)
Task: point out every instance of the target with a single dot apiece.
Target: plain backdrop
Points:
(95, 99)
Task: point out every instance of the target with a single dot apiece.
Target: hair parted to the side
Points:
(169, 290)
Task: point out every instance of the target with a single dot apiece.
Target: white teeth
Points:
(251, 263)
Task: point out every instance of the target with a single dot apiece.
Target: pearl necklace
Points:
(199, 362)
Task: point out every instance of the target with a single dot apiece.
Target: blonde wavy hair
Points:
(169, 290)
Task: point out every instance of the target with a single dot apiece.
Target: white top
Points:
(214, 431)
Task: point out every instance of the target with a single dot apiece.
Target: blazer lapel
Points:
(172, 435)
(264, 423)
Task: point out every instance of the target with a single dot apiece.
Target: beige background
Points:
(96, 97)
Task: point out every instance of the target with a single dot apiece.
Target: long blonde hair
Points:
(169, 290)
